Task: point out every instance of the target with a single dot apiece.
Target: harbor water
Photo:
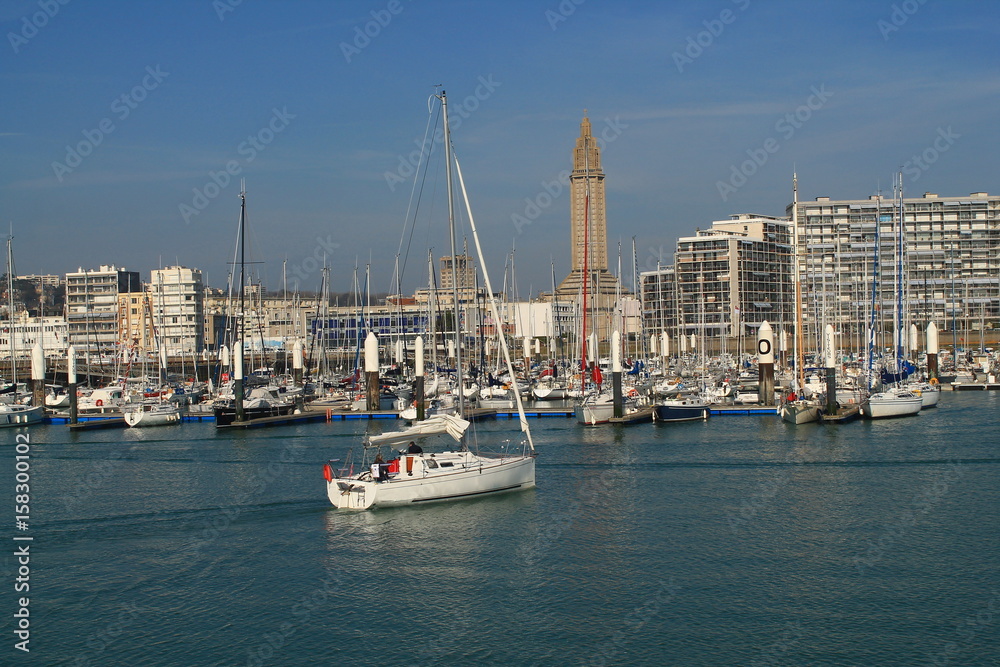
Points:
(740, 540)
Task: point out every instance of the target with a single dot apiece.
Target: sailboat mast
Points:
(799, 369)
(10, 308)
(586, 257)
(454, 266)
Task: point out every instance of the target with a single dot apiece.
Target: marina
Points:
(823, 532)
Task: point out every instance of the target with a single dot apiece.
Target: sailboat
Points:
(794, 409)
(441, 472)
(15, 414)
(895, 400)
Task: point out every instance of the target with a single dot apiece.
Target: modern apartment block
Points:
(725, 281)
(943, 265)
(92, 305)
(177, 299)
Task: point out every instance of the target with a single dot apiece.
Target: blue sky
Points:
(686, 93)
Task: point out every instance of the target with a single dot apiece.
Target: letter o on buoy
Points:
(764, 346)
(327, 472)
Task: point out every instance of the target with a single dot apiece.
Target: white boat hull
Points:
(467, 476)
(799, 413)
(592, 414)
(550, 393)
(880, 406)
(21, 415)
(144, 418)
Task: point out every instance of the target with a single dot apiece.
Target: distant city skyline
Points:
(127, 127)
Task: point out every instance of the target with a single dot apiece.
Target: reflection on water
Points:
(728, 541)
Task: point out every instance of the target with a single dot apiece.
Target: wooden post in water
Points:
(829, 342)
(371, 372)
(238, 389)
(932, 351)
(71, 384)
(765, 364)
(665, 350)
(616, 372)
(37, 374)
(418, 376)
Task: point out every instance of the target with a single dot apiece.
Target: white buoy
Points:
(371, 353)
(71, 365)
(238, 360)
(830, 346)
(418, 362)
(224, 356)
(932, 350)
(37, 362)
(765, 363)
(652, 345)
(914, 338)
(664, 344)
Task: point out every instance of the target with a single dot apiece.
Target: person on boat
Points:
(414, 448)
(380, 469)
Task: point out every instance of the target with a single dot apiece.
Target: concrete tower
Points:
(589, 232)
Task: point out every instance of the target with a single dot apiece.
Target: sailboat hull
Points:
(882, 406)
(21, 415)
(680, 410)
(795, 413)
(592, 414)
(455, 476)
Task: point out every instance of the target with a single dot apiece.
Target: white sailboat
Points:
(797, 409)
(895, 401)
(151, 414)
(450, 472)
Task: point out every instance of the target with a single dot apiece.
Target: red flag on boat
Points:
(598, 378)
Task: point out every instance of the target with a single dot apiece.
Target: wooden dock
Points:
(845, 413)
(279, 420)
(640, 416)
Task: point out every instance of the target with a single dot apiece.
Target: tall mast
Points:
(454, 268)
(10, 307)
(799, 369)
(586, 256)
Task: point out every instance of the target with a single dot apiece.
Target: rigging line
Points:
(419, 192)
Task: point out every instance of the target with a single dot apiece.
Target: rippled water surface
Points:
(741, 540)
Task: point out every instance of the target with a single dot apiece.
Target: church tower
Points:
(588, 229)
